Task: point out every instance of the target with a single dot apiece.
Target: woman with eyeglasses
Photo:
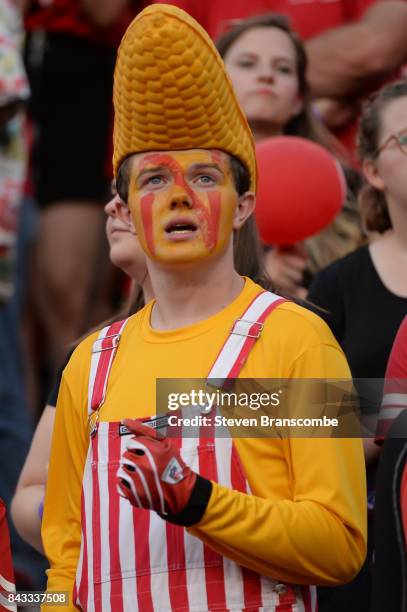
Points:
(365, 293)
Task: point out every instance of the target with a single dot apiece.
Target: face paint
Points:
(146, 203)
(183, 203)
(209, 219)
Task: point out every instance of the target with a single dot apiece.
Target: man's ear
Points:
(123, 212)
(372, 174)
(244, 209)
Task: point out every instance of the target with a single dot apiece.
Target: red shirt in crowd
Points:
(394, 401)
(307, 17)
(6, 566)
(395, 387)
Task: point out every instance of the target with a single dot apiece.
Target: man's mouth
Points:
(181, 227)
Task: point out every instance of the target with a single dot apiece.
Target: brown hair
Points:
(372, 202)
(133, 303)
(304, 124)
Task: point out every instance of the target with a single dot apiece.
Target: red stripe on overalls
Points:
(251, 580)
(96, 529)
(102, 373)
(214, 575)
(285, 602)
(249, 342)
(84, 586)
(104, 363)
(141, 526)
(306, 598)
(116, 585)
(177, 575)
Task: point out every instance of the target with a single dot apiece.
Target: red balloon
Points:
(301, 189)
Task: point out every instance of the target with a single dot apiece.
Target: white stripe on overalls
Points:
(197, 587)
(238, 336)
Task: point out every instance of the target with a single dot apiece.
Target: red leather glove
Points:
(152, 475)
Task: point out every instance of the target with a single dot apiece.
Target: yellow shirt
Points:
(304, 522)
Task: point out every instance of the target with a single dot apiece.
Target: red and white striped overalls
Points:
(131, 559)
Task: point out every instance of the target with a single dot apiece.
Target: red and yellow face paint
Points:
(182, 203)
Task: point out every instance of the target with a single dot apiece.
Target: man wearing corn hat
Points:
(144, 522)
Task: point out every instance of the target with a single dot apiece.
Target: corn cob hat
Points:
(171, 91)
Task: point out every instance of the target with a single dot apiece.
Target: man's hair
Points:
(241, 177)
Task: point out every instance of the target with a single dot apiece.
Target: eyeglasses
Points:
(401, 141)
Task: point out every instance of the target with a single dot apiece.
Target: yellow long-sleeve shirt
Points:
(304, 522)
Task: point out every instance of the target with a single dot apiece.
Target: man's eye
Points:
(154, 180)
(205, 179)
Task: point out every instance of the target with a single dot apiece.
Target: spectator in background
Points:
(365, 293)
(267, 63)
(70, 55)
(352, 46)
(15, 425)
(395, 386)
(390, 563)
(14, 93)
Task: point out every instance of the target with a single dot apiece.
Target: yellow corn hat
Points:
(171, 91)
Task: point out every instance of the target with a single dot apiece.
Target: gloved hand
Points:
(153, 475)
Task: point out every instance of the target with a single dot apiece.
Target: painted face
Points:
(262, 65)
(182, 203)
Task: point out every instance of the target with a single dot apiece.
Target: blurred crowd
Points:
(330, 71)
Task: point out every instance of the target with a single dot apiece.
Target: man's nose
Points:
(180, 198)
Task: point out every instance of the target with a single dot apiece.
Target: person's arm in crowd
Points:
(29, 495)
(27, 504)
(372, 452)
(349, 60)
(318, 536)
(286, 267)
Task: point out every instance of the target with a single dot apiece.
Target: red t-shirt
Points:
(307, 17)
(6, 566)
(68, 17)
(395, 388)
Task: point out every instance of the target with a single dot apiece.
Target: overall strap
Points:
(103, 352)
(243, 335)
(230, 360)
